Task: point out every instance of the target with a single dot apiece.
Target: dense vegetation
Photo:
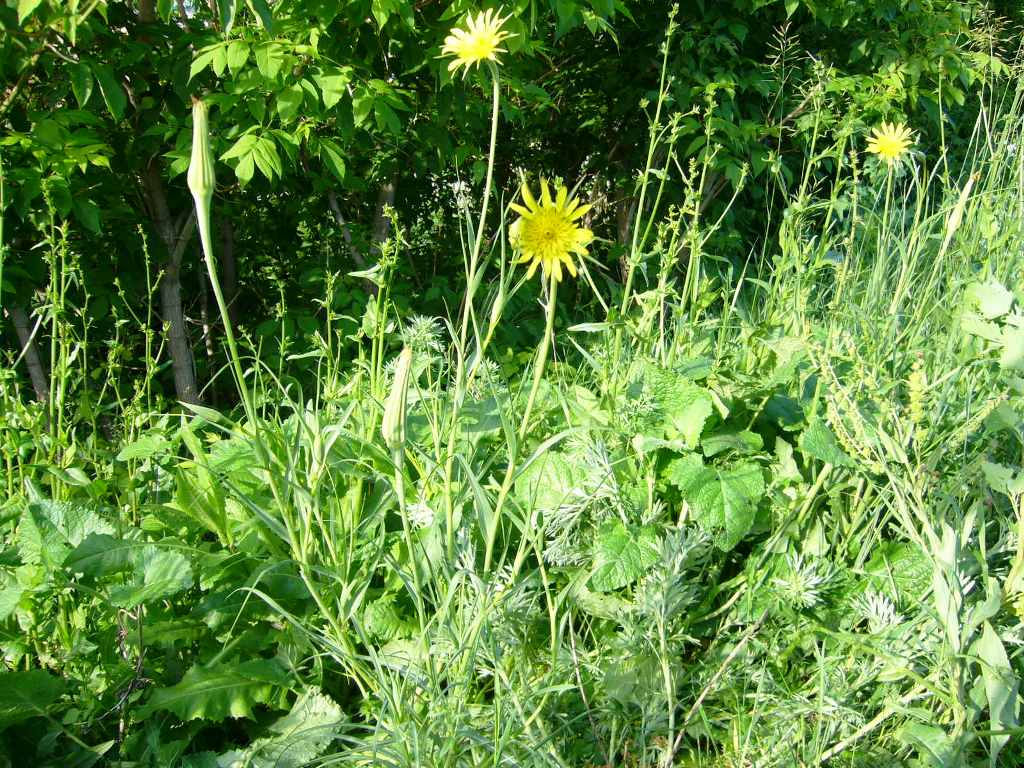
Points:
(306, 462)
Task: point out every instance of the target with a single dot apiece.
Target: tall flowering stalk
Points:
(201, 183)
(548, 235)
(478, 42)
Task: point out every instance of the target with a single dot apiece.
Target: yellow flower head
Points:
(890, 141)
(479, 42)
(548, 233)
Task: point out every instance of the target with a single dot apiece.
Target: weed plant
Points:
(766, 515)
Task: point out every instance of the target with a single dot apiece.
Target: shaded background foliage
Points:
(328, 114)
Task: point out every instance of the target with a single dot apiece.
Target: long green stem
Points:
(542, 356)
(472, 281)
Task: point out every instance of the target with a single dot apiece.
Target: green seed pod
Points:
(201, 180)
(393, 424)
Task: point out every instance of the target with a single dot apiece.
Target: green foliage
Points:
(753, 497)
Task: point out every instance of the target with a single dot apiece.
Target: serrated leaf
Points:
(143, 448)
(101, 555)
(221, 691)
(621, 555)
(932, 742)
(156, 573)
(296, 739)
(899, 570)
(723, 501)
(740, 441)
(10, 596)
(27, 694)
(818, 442)
(49, 529)
(382, 622)
(685, 407)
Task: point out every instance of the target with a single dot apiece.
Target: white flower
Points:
(420, 515)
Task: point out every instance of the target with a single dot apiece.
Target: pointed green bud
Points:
(392, 426)
(201, 180)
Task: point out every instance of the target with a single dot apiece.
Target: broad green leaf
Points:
(145, 447)
(1012, 356)
(685, 406)
(990, 299)
(899, 570)
(226, 10)
(49, 529)
(87, 213)
(202, 60)
(10, 596)
(1003, 479)
(26, 8)
(113, 94)
(548, 482)
(333, 157)
(267, 159)
(931, 742)
(222, 691)
(289, 100)
(621, 555)
(818, 442)
(81, 82)
(386, 117)
(333, 86)
(27, 694)
(1001, 686)
(156, 573)
(382, 622)
(238, 54)
(242, 147)
(362, 105)
(723, 501)
(101, 555)
(739, 441)
(296, 740)
(262, 9)
(269, 60)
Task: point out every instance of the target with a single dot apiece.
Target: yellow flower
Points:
(547, 233)
(890, 141)
(481, 41)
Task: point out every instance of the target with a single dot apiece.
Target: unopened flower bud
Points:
(393, 424)
(201, 180)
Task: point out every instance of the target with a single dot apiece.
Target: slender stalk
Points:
(472, 281)
(542, 355)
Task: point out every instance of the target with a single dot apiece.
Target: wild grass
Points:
(765, 515)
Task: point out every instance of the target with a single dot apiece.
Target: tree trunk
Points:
(182, 362)
(147, 11)
(36, 372)
(228, 268)
(174, 239)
